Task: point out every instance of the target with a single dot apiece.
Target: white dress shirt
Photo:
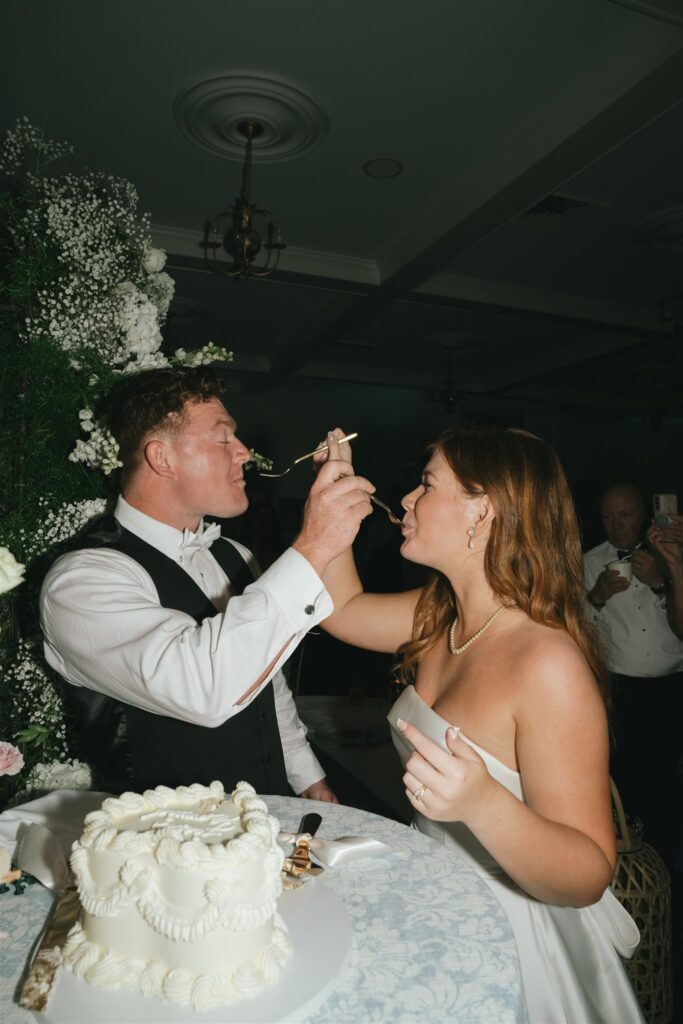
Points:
(105, 630)
(633, 624)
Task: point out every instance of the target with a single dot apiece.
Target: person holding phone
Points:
(666, 537)
(645, 655)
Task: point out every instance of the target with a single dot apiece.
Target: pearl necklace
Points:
(475, 636)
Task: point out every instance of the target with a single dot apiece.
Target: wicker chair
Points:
(642, 883)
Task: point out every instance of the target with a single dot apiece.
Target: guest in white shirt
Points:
(170, 664)
(646, 659)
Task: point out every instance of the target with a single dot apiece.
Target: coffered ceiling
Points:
(523, 252)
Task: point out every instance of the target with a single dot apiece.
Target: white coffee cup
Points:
(622, 566)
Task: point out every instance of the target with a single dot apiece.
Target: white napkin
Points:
(62, 811)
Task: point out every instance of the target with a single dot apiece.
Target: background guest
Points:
(646, 659)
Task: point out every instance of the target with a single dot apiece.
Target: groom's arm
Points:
(304, 773)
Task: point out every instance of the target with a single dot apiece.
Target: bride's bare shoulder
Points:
(547, 658)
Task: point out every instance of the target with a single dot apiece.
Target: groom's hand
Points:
(319, 791)
(330, 450)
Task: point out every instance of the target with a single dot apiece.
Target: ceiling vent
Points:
(554, 205)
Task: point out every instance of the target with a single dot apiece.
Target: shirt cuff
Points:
(295, 585)
(303, 769)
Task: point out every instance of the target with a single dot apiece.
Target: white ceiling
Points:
(491, 106)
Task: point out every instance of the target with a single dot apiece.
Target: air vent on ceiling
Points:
(554, 205)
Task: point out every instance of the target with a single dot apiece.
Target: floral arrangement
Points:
(11, 571)
(83, 298)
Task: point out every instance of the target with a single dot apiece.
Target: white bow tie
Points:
(193, 542)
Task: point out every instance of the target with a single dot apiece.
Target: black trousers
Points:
(647, 732)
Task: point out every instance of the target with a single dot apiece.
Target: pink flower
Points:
(11, 759)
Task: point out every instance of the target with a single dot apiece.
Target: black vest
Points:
(131, 748)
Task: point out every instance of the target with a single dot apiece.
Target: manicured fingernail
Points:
(400, 724)
(454, 731)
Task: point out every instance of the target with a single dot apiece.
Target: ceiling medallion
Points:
(663, 231)
(209, 114)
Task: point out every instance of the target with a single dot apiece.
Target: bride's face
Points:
(438, 514)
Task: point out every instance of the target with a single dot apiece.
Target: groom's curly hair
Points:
(533, 556)
(156, 400)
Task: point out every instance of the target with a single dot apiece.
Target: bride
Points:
(503, 734)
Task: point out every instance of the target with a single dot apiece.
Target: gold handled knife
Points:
(47, 954)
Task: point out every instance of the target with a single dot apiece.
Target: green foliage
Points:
(57, 232)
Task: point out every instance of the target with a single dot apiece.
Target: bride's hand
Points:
(451, 785)
(335, 452)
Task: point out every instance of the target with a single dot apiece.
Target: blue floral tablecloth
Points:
(430, 941)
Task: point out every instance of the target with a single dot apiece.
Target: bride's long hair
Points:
(533, 555)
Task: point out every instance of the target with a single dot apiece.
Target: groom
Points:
(171, 645)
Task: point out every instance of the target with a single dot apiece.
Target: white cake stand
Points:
(320, 928)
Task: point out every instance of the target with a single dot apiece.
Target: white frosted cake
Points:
(179, 891)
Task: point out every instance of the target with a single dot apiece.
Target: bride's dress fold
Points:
(570, 967)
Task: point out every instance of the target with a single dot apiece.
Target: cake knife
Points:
(47, 955)
(39, 854)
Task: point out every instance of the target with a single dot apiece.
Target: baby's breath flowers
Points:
(24, 139)
(59, 524)
(101, 450)
(209, 353)
(36, 711)
(110, 295)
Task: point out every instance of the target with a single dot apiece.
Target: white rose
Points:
(144, 337)
(153, 260)
(11, 571)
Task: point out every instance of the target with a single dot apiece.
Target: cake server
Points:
(299, 862)
(310, 823)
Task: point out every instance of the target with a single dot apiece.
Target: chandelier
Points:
(234, 232)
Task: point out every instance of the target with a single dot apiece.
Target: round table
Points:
(430, 941)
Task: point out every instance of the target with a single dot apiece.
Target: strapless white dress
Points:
(570, 967)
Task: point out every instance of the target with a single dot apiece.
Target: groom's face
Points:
(208, 460)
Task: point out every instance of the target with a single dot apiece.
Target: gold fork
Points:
(302, 458)
(381, 504)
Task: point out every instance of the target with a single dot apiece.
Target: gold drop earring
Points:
(470, 534)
